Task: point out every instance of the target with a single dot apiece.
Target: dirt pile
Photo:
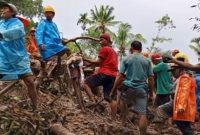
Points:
(61, 115)
(17, 117)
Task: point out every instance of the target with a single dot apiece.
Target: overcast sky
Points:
(141, 14)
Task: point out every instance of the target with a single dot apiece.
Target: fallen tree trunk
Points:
(7, 88)
(81, 37)
(58, 129)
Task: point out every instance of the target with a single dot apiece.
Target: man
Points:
(48, 36)
(31, 42)
(134, 72)
(108, 63)
(183, 108)
(164, 80)
(14, 60)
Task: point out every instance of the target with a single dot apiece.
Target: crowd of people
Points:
(129, 88)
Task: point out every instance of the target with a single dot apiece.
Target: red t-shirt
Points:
(109, 64)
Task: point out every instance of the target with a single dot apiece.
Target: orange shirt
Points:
(31, 45)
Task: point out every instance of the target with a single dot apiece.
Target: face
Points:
(32, 33)
(103, 42)
(49, 15)
(155, 62)
(6, 13)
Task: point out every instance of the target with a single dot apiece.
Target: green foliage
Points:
(195, 45)
(99, 19)
(94, 24)
(123, 35)
(196, 26)
(28, 8)
(163, 23)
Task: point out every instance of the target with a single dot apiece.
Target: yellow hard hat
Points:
(182, 56)
(49, 9)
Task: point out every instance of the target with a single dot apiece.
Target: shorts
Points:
(166, 110)
(162, 99)
(106, 81)
(136, 99)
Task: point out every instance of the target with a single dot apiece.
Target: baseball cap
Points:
(106, 36)
(156, 56)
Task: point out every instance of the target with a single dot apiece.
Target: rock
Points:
(58, 129)
(3, 108)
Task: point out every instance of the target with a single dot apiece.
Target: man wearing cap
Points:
(183, 108)
(48, 36)
(134, 72)
(163, 80)
(14, 60)
(108, 63)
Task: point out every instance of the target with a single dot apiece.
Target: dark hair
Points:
(136, 45)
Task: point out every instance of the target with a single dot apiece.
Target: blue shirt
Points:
(47, 34)
(137, 69)
(197, 79)
(14, 59)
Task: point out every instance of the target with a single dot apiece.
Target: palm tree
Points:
(100, 18)
(195, 46)
(83, 20)
(124, 37)
(140, 38)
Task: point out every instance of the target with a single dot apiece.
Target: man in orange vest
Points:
(183, 107)
(31, 42)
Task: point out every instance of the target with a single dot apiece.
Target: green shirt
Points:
(164, 78)
(137, 69)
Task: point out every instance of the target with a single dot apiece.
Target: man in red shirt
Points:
(108, 69)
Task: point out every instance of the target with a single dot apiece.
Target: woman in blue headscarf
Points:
(14, 60)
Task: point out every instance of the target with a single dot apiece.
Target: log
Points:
(81, 37)
(7, 88)
(58, 129)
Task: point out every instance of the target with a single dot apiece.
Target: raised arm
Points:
(187, 65)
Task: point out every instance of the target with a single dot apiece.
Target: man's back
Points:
(137, 68)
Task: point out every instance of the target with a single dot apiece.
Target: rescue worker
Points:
(182, 108)
(31, 42)
(14, 60)
(48, 36)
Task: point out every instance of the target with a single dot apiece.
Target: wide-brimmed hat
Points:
(10, 5)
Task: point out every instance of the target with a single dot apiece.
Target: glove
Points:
(167, 59)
